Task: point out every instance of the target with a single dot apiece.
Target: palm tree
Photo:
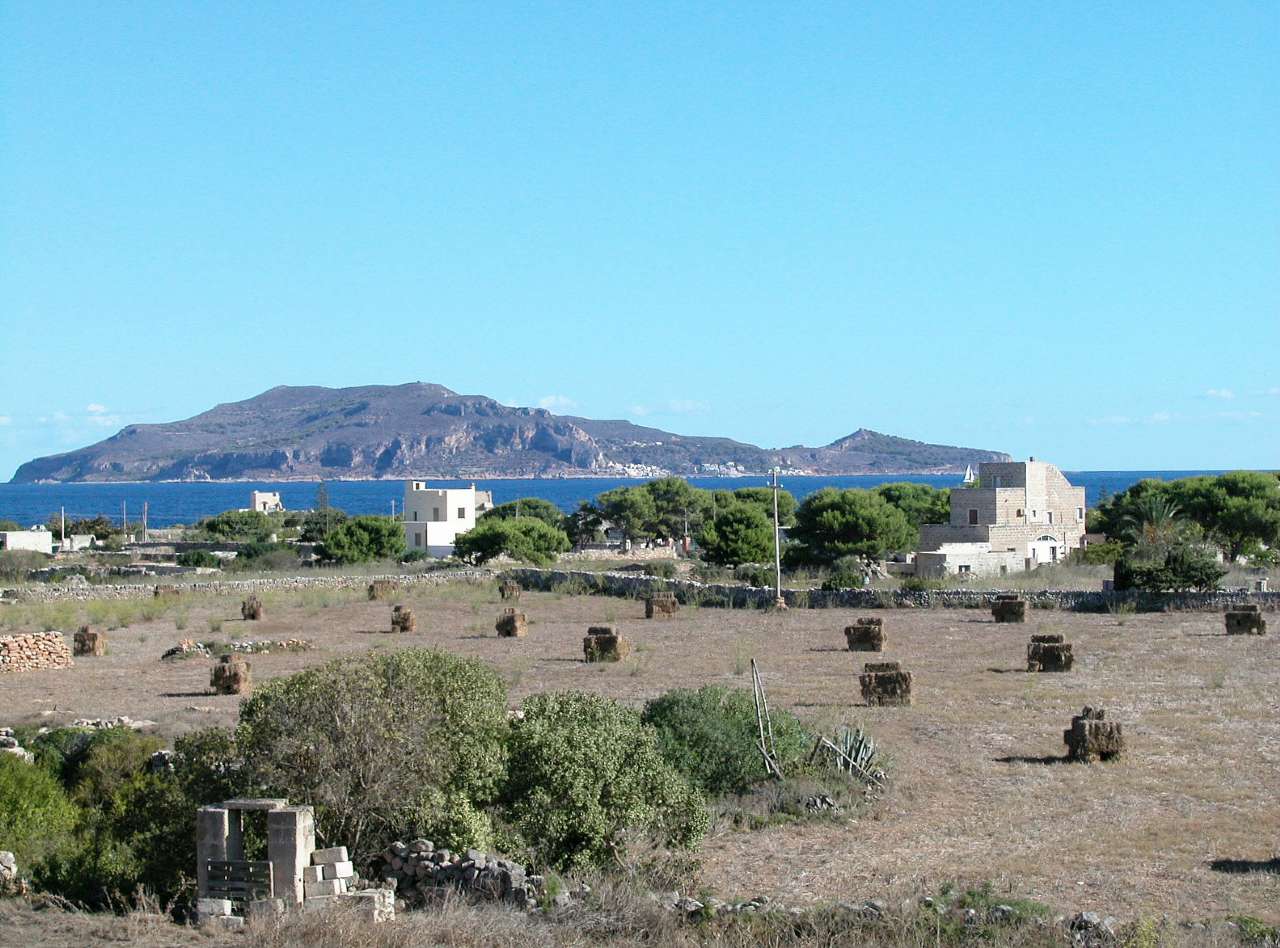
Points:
(1154, 520)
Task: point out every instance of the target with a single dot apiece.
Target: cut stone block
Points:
(90, 641)
(333, 854)
(885, 683)
(661, 605)
(264, 908)
(210, 907)
(1049, 653)
(381, 589)
(512, 624)
(324, 887)
(1245, 620)
(1008, 608)
(231, 676)
(339, 870)
(312, 873)
(228, 923)
(291, 839)
(377, 905)
(602, 644)
(318, 902)
(1092, 737)
(865, 635)
(402, 620)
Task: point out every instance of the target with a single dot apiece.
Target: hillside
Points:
(424, 430)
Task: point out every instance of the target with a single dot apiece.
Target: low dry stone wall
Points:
(242, 587)
(688, 591)
(33, 651)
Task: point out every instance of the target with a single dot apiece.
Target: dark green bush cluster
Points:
(710, 736)
(199, 558)
(528, 539)
(1182, 566)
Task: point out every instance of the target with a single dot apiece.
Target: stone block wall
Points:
(34, 651)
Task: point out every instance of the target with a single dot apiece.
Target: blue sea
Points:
(172, 503)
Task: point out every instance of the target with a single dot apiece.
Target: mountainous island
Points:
(424, 430)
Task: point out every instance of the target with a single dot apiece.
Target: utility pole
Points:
(63, 512)
(124, 517)
(144, 521)
(393, 508)
(778, 602)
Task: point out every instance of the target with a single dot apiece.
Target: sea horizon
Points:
(169, 503)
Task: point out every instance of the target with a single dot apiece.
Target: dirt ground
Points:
(1185, 824)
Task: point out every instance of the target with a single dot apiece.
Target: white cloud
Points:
(557, 402)
(1273, 391)
(1239, 415)
(94, 408)
(639, 410)
(1155, 418)
(1224, 393)
(5, 420)
(672, 406)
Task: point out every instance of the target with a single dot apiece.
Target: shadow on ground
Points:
(1237, 867)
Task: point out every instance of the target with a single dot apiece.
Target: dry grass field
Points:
(1185, 825)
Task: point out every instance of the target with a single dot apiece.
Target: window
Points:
(1079, 513)
(1051, 516)
(1004, 571)
(462, 513)
(963, 569)
(1019, 511)
(973, 517)
(415, 515)
(435, 514)
(417, 539)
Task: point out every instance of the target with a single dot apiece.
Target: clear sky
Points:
(1045, 228)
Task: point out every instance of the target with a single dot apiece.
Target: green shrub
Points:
(663, 569)
(1182, 566)
(918, 584)
(367, 740)
(846, 573)
(364, 539)
(584, 769)
(451, 821)
(710, 736)
(754, 574)
(1100, 554)
(199, 558)
(36, 816)
(527, 539)
(114, 755)
(62, 752)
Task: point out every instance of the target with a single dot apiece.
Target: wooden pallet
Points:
(239, 879)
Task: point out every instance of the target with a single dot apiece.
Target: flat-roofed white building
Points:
(265, 501)
(434, 516)
(38, 541)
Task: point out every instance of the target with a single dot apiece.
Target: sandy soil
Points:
(1185, 824)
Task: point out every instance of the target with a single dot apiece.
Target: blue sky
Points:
(1050, 229)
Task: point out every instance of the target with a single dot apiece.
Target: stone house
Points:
(265, 501)
(1020, 515)
(434, 516)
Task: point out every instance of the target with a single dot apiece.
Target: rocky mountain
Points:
(422, 430)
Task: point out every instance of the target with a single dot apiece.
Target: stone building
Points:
(1020, 515)
(434, 516)
(265, 501)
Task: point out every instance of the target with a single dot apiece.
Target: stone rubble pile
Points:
(9, 745)
(417, 870)
(34, 651)
(267, 646)
(98, 724)
(8, 869)
(186, 647)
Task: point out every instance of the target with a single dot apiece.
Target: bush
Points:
(741, 533)
(199, 558)
(523, 538)
(367, 741)
(239, 525)
(1100, 554)
(662, 569)
(755, 574)
(918, 584)
(832, 523)
(584, 769)
(36, 816)
(451, 821)
(846, 573)
(17, 565)
(363, 539)
(710, 736)
(1183, 566)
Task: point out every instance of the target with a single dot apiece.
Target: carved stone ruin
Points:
(89, 641)
(1049, 653)
(865, 635)
(661, 605)
(381, 589)
(251, 609)
(231, 676)
(1009, 608)
(512, 624)
(1091, 737)
(509, 590)
(602, 644)
(885, 683)
(402, 620)
(1246, 620)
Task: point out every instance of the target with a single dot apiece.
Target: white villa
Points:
(434, 516)
(265, 501)
(1021, 515)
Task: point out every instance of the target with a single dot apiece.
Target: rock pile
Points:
(34, 651)
(89, 641)
(602, 644)
(9, 745)
(1049, 653)
(865, 635)
(267, 646)
(167, 590)
(509, 590)
(8, 869)
(1092, 737)
(417, 870)
(402, 620)
(98, 724)
(885, 683)
(186, 647)
(1009, 607)
(661, 605)
(512, 624)
(251, 609)
(231, 676)
(1246, 620)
